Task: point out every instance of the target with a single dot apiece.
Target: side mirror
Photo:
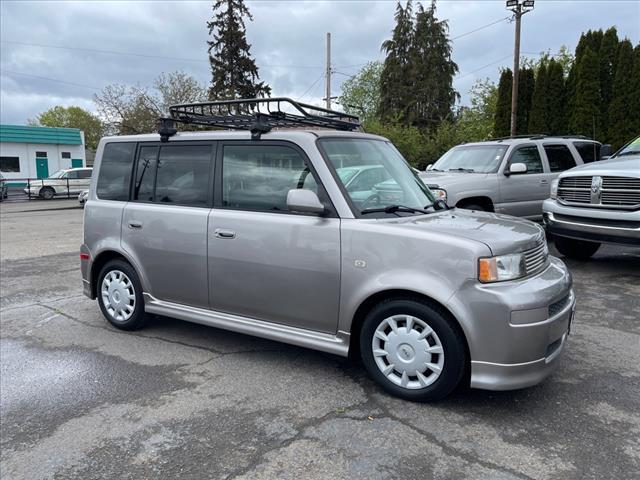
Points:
(516, 168)
(605, 151)
(304, 201)
(429, 167)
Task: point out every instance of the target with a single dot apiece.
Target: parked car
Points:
(511, 175)
(82, 198)
(63, 182)
(4, 190)
(595, 204)
(265, 239)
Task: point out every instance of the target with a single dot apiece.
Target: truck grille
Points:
(609, 192)
(536, 259)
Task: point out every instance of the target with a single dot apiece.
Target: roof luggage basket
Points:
(258, 115)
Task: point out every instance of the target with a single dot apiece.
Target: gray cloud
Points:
(287, 40)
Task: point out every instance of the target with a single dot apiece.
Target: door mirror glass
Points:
(605, 151)
(517, 168)
(300, 200)
(430, 166)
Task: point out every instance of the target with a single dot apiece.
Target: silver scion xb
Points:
(255, 232)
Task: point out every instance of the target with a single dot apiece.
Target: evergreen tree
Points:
(502, 123)
(556, 91)
(234, 72)
(634, 94)
(585, 115)
(608, 58)
(540, 102)
(526, 84)
(433, 70)
(396, 79)
(621, 125)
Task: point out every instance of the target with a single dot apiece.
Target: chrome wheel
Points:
(118, 295)
(408, 352)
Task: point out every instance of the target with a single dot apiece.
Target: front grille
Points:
(536, 259)
(612, 192)
(557, 307)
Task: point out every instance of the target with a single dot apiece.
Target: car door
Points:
(164, 226)
(73, 184)
(522, 194)
(265, 262)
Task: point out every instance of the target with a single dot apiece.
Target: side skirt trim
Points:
(336, 344)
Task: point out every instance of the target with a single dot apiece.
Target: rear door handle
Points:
(136, 225)
(544, 182)
(222, 233)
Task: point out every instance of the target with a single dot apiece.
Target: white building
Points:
(37, 152)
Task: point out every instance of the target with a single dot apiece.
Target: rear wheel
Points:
(578, 249)
(120, 295)
(47, 193)
(412, 350)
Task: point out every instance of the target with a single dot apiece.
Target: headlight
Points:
(554, 188)
(501, 268)
(439, 193)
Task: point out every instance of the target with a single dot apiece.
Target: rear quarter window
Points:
(588, 151)
(115, 171)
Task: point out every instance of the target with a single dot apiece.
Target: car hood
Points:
(501, 233)
(446, 179)
(629, 165)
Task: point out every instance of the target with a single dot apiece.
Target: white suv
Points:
(64, 182)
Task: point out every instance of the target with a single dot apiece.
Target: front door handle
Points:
(222, 233)
(544, 182)
(136, 225)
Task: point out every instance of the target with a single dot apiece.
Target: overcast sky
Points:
(287, 37)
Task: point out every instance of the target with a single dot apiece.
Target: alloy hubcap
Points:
(408, 352)
(118, 295)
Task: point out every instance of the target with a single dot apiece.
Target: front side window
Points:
(588, 151)
(472, 158)
(559, 157)
(530, 156)
(10, 164)
(72, 175)
(259, 177)
(183, 174)
(115, 171)
(389, 180)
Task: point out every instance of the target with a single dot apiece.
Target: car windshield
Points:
(57, 174)
(631, 148)
(471, 158)
(382, 177)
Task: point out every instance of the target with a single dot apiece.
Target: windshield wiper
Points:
(393, 209)
(460, 169)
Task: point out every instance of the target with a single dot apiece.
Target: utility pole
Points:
(519, 8)
(328, 74)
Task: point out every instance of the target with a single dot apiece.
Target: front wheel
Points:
(577, 249)
(413, 350)
(47, 193)
(120, 295)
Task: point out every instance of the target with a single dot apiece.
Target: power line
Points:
(49, 79)
(310, 87)
(480, 28)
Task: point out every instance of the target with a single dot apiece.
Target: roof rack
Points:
(258, 115)
(539, 136)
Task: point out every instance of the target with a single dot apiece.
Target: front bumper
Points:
(604, 226)
(517, 330)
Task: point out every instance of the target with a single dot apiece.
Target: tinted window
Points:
(259, 177)
(66, 154)
(84, 173)
(589, 151)
(41, 154)
(530, 157)
(560, 158)
(115, 171)
(10, 164)
(183, 174)
(145, 174)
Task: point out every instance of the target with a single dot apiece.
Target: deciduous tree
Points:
(73, 117)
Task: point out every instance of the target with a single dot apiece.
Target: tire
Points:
(120, 299)
(415, 381)
(47, 193)
(474, 206)
(576, 249)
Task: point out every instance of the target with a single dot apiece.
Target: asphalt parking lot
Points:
(82, 400)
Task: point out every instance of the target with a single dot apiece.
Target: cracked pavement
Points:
(82, 400)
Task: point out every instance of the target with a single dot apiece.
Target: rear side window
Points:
(589, 151)
(115, 171)
(145, 174)
(84, 173)
(530, 157)
(560, 158)
(183, 174)
(259, 177)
